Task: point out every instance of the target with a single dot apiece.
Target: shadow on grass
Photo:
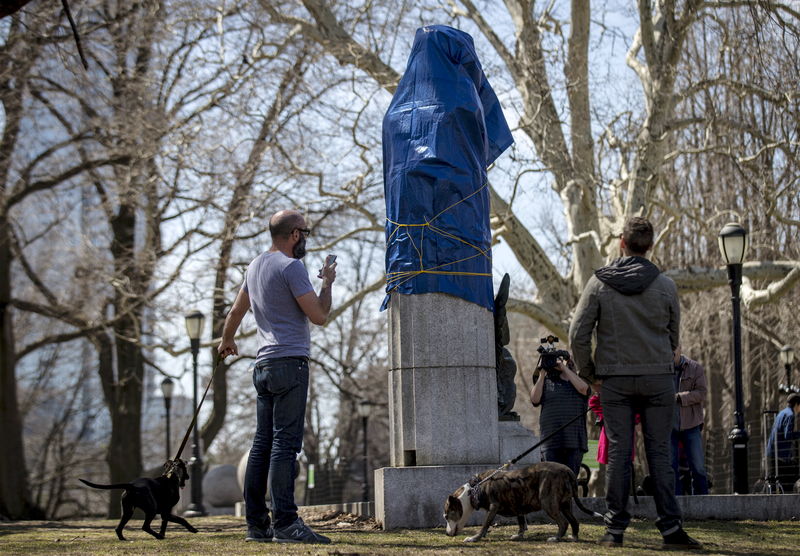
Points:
(15, 527)
(18, 527)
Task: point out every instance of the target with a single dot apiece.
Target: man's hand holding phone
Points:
(328, 271)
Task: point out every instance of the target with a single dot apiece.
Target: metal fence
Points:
(761, 469)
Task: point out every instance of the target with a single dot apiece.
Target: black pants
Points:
(787, 474)
(571, 457)
(653, 397)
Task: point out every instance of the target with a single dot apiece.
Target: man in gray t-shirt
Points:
(280, 294)
(274, 282)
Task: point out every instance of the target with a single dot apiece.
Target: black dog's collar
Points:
(173, 465)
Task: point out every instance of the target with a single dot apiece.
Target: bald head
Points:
(284, 222)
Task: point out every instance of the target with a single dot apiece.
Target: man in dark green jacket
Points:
(635, 313)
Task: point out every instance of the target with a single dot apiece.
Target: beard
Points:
(299, 249)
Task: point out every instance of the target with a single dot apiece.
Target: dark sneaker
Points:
(255, 534)
(299, 532)
(610, 539)
(679, 540)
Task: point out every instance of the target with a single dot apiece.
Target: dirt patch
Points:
(338, 520)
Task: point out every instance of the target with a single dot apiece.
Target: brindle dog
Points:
(544, 486)
(153, 496)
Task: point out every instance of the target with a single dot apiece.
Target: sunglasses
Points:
(305, 231)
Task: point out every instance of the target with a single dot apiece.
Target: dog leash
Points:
(197, 411)
(511, 462)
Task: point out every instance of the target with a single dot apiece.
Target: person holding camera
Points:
(562, 395)
(633, 308)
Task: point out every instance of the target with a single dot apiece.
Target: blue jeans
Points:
(282, 386)
(652, 397)
(571, 457)
(692, 440)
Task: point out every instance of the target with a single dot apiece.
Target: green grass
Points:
(224, 536)
(590, 457)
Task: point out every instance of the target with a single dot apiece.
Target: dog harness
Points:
(473, 491)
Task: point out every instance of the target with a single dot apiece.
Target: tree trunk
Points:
(15, 501)
(124, 394)
(124, 455)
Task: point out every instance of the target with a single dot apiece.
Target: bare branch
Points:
(488, 31)
(540, 314)
(375, 286)
(752, 297)
(702, 278)
(21, 190)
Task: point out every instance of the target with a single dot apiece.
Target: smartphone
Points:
(329, 260)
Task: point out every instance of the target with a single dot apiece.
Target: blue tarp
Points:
(443, 128)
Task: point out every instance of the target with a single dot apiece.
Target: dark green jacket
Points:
(635, 312)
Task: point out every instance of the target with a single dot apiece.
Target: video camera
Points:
(549, 354)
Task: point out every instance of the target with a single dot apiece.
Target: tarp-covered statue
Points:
(443, 128)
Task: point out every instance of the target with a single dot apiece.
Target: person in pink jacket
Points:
(602, 443)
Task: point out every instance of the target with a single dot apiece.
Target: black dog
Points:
(153, 496)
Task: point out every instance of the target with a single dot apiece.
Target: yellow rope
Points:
(401, 277)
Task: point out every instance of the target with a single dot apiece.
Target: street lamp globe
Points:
(167, 388)
(364, 407)
(733, 243)
(787, 355)
(194, 324)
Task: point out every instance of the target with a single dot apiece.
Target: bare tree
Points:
(126, 148)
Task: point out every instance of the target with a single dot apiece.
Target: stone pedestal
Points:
(515, 439)
(443, 420)
(413, 497)
(442, 381)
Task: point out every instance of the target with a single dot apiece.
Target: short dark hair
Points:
(638, 235)
(793, 400)
(282, 224)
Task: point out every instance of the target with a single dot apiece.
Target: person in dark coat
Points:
(687, 432)
(633, 308)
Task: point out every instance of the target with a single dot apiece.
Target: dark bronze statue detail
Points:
(505, 365)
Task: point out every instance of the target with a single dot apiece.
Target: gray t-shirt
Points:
(273, 282)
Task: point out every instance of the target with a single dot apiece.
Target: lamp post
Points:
(194, 328)
(364, 408)
(733, 244)
(167, 386)
(787, 357)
